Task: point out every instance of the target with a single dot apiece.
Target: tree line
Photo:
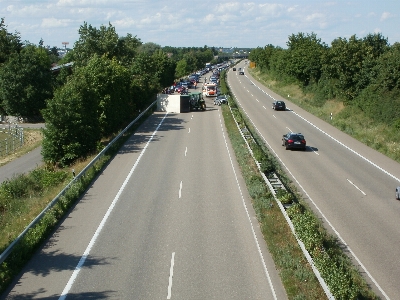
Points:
(112, 79)
(364, 72)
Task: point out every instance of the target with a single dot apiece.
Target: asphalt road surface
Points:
(168, 218)
(349, 185)
(21, 165)
(25, 163)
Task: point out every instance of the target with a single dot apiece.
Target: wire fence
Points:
(11, 139)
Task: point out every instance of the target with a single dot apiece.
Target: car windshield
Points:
(297, 137)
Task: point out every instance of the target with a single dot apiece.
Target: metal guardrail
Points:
(15, 140)
(10, 248)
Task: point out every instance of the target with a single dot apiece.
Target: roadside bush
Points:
(15, 188)
(31, 184)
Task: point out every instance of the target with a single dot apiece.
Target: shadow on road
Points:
(87, 295)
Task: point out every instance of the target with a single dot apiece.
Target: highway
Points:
(350, 186)
(168, 218)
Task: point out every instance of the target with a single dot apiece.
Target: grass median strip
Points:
(297, 276)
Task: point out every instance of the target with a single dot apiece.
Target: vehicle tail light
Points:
(303, 141)
(290, 141)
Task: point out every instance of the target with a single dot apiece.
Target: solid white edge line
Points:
(312, 201)
(104, 220)
(248, 215)
(171, 274)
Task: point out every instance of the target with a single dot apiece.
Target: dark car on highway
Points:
(293, 140)
(241, 73)
(278, 105)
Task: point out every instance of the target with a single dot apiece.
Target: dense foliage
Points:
(25, 82)
(362, 72)
(9, 43)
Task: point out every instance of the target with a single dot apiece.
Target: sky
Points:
(214, 23)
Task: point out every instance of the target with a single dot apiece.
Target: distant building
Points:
(226, 50)
(62, 52)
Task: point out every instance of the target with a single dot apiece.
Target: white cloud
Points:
(271, 9)
(125, 23)
(227, 7)
(81, 2)
(209, 18)
(386, 15)
(54, 23)
(323, 25)
(314, 16)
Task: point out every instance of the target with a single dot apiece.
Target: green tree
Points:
(109, 82)
(149, 48)
(181, 68)
(93, 41)
(279, 64)
(304, 55)
(53, 54)
(164, 68)
(9, 43)
(26, 82)
(145, 83)
(191, 62)
(262, 56)
(127, 48)
(350, 63)
(380, 100)
(72, 124)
